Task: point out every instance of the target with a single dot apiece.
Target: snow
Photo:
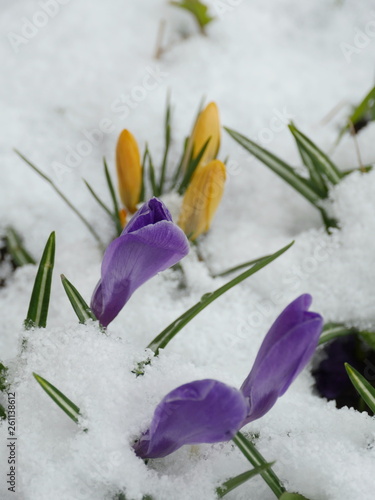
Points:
(260, 60)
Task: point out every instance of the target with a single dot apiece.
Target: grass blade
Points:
(80, 307)
(278, 166)
(193, 164)
(178, 170)
(333, 331)
(292, 496)
(240, 266)
(168, 333)
(39, 302)
(234, 482)
(99, 201)
(63, 197)
(116, 210)
(257, 460)
(364, 388)
(151, 173)
(14, 245)
(59, 398)
(166, 147)
(316, 158)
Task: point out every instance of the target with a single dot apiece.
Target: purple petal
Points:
(135, 257)
(151, 212)
(204, 411)
(285, 351)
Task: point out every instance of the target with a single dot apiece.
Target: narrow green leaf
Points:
(364, 170)
(361, 115)
(59, 398)
(362, 386)
(193, 164)
(234, 482)
(368, 337)
(114, 198)
(240, 266)
(98, 200)
(80, 307)
(292, 496)
(63, 197)
(14, 245)
(179, 167)
(167, 139)
(142, 194)
(333, 331)
(39, 302)
(278, 166)
(315, 157)
(257, 460)
(151, 173)
(198, 9)
(168, 333)
(316, 178)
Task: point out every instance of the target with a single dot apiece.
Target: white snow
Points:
(260, 60)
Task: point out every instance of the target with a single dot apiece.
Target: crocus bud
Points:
(206, 127)
(129, 170)
(202, 199)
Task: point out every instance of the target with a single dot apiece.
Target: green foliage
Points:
(59, 398)
(39, 302)
(169, 333)
(15, 248)
(361, 115)
(79, 305)
(257, 460)
(362, 386)
(198, 9)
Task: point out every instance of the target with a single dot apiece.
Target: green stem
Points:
(64, 198)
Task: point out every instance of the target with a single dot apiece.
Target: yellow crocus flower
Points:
(129, 170)
(206, 127)
(202, 198)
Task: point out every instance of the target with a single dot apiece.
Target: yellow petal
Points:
(122, 216)
(129, 170)
(206, 127)
(202, 198)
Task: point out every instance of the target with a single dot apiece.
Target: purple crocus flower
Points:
(150, 243)
(208, 411)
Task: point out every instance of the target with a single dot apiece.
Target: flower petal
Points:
(285, 351)
(135, 257)
(203, 411)
(151, 212)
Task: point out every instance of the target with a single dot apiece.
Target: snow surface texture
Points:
(260, 60)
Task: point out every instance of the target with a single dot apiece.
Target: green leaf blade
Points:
(234, 482)
(15, 248)
(116, 211)
(40, 297)
(171, 331)
(362, 386)
(282, 169)
(257, 460)
(59, 398)
(198, 9)
(82, 310)
(332, 331)
(317, 160)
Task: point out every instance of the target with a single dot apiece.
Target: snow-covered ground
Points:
(91, 66)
